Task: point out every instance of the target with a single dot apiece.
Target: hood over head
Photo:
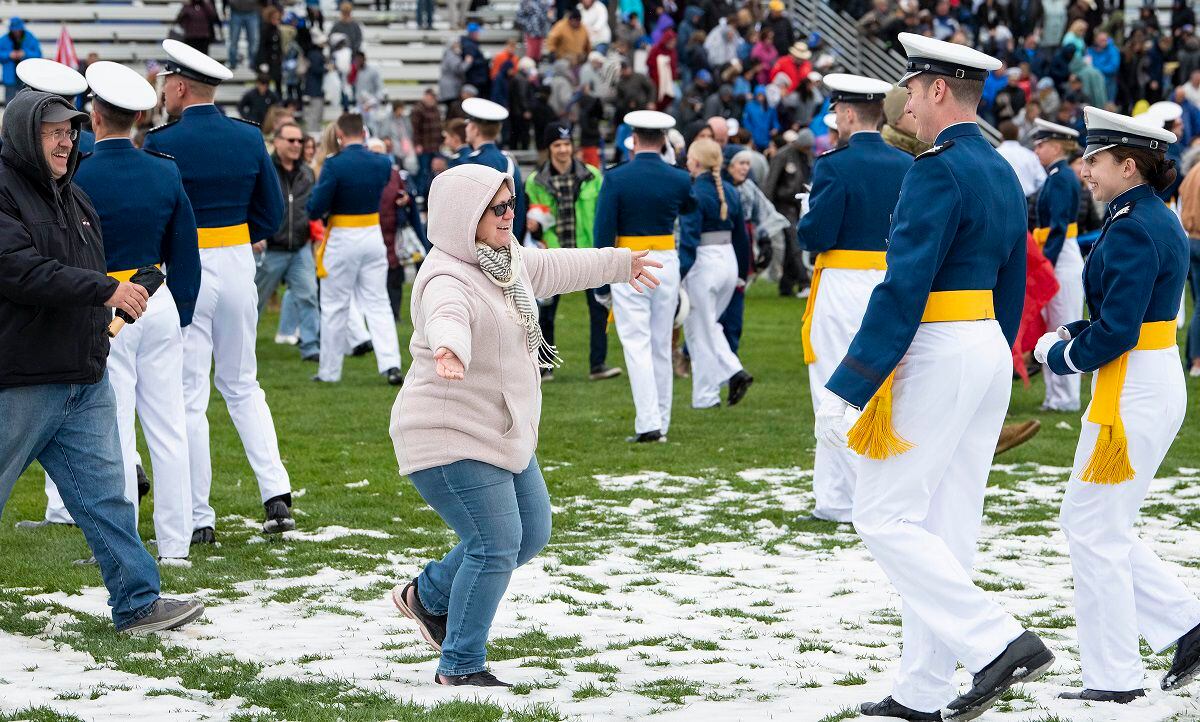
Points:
(22, 136)
(16, 24)
(458, 198)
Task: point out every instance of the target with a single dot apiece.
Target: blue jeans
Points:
(503, 521)
(299, 271)
(425, 14)
(424, 173)
(71, 429)
(250, 23)
(1193, 338)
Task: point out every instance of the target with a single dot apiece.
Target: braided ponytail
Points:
(716, 174)
(708, 154)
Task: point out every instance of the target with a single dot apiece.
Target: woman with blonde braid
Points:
(714, 260)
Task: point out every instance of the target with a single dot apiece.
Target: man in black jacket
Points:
(55, 400)
(287, 257)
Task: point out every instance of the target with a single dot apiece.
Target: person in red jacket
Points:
(796, 65)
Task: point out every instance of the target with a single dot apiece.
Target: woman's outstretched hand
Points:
(641, 272)
(448, 365)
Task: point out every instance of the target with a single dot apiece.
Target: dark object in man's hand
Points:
(149, 278)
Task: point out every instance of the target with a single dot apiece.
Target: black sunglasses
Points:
(292, 140)
(501, 208)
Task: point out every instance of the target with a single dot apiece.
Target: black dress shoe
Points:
(1024, 660)
(143, 483)
(647, 437)
(478, 679)
(395, 376)
(1100, 695)
(889, 707)
(312, 358)
(204, 535)
(431, 626)
(362, 349)
(279, 514)
(1186, 662)
(739, 384)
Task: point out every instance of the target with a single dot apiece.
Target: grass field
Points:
(683, 580)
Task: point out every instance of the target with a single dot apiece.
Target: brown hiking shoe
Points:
(1014, 435)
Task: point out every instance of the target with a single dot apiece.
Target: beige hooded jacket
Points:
(491, 415)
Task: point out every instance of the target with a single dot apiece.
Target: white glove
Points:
(832, 424)
(1043, 346)
(1064, 333)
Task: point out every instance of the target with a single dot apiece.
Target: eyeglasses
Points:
(61, 135)
(501, 208)
(291, 140)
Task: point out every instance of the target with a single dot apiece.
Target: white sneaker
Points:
(1194, 371)
(284, 339)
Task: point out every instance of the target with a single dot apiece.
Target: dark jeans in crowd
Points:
(383, 4)
(731, 320)
(597, 323)
(238, 23)
(1193, 339)
(794, 276)
(71, 430)
(425, 14)
(395, 290)
(424, 172)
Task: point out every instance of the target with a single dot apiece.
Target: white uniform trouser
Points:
(145, 368)
(1122, 588)
(644, 324)
(1062, 392)
(710, 284)
(223, 333)
(356, 262)
(837, 313)
(919, 512)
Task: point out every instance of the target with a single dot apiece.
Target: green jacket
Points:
(587, 186)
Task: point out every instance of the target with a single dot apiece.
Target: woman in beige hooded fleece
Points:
(465, 424)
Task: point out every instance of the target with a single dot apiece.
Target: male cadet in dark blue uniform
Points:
(153, 226)
(639, 203)
(49, 76)
(236, 198)
(931, 368)
(1054, 229)
(484, 119)
(854, 192)
(355, 258)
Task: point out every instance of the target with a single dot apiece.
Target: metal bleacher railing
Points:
(860, 55)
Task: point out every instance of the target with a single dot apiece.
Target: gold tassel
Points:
(873, 435)
(1109, 462)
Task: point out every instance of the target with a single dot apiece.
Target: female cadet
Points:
(1134, 281)
(1056, 232)
(714, 259)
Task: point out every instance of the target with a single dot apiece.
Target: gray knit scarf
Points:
(503, 268)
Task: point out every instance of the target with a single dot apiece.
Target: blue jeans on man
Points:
(71, 430)
(425, 14)
(299, 271)
(249, 22)
(503, 521)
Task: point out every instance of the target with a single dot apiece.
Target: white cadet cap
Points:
(732, 126)
(121, 86)
(51, 77)
(484, 110)
(855, 88)
(1045, 130)
(649, 120)
(1106, 130)
(193, 64)
(830, 121)
(927, 55)
(1164, 110)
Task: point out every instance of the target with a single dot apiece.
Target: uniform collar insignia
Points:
(1123, 210)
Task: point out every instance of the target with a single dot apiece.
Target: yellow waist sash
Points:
(126, 276)
(850, 260)
(353, 220)
(224, 236)
(873, 435)
(1109, 462)
(1041, 234)
(664, 242)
